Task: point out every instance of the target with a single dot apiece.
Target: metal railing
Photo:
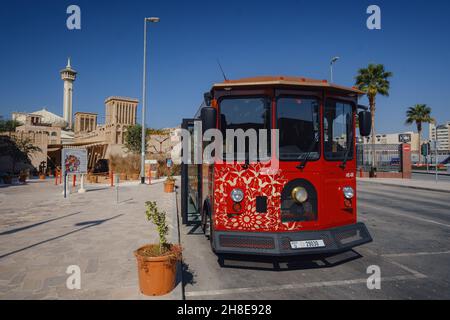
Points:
(387, 157)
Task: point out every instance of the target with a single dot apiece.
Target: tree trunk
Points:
(372, 111)
(419, 130)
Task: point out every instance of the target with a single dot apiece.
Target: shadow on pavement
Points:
(87, 224)
(286, 263)
(36, 224)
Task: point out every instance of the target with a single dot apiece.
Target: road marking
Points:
(414, 276)
(413, 254)
(391, 211)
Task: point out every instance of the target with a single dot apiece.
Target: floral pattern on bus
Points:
(254, 181)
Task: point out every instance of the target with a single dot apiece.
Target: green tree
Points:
(373, 80)
(8, 125)
(419, 114)
(133, 139)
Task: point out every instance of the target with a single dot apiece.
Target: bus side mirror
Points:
(207, 96)
(208, 116)
(365, 123)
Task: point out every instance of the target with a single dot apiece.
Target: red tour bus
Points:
(308, 204)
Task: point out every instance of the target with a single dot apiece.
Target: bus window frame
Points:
(353, 105)
(297, 94)
(269, 98)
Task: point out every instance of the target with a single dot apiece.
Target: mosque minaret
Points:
(68, 75)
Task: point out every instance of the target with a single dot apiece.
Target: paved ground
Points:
(41, 234)
(419, 184)
(431, 177)
(411, 231)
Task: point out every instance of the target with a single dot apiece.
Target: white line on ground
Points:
(391, 211)
(413, 254)
(318, 284)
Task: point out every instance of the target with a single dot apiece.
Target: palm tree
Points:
(373, 80)
(419, 114)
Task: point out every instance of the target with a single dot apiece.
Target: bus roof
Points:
(285, 81)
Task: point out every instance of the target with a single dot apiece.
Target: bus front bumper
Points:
(292, 243)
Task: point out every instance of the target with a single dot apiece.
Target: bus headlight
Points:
(349, 193)
(299, 194)
(237, 195)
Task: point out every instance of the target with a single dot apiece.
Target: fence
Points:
(387, 157)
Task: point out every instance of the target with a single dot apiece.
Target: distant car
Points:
(395, 162)
(102, 166)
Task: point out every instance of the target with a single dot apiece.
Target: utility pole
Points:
(144, 82)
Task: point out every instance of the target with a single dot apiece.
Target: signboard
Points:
(169, 163)
(151, 161)
(404, 138)
(74, 161)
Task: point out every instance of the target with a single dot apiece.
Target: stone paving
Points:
(41, 234)
(441, 185)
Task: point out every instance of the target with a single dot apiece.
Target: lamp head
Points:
(334, 59)
(152, 19)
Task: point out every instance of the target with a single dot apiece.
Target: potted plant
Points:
(169, 184)
(7, 179)
(157, 263)
(42, 171)
(23, 175)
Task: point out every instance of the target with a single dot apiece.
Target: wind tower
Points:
(68, 75)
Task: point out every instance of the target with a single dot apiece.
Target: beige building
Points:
(106, 139)
(43, 128)
(394, 138)
(51, 132)
(441, 133)
(85, 122)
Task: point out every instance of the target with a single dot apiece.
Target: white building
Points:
(441, 133)
(394, 138)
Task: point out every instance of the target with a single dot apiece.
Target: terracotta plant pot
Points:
(135, 176)
(123, 176)
(169, 186)
(157, 275)
(42, 177)
(7, 180)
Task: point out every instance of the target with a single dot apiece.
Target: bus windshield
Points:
(245, 113)
(298, 125)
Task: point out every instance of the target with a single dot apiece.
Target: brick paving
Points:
(41, 234)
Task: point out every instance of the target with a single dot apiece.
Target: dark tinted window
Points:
(337, 130)
(298, 125)
(245, 113)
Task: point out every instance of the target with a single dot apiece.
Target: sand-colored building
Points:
(103, 140)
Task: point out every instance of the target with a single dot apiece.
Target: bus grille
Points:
(246, 242)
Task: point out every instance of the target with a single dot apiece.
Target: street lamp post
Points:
(331, 67)
(144, 79)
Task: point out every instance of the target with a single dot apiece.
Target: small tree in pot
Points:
(169, 184)
(157, 263)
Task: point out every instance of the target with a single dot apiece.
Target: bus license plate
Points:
(307, 244)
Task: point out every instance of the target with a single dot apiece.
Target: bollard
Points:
(74, 180)
(111, 177)
(150, 175)
(82, 189)
(56, 178)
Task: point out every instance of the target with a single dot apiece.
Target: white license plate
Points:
(307, 244)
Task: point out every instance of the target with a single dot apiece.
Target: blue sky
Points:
(249, 37)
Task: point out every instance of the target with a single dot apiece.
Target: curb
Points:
(175, 238)
(404, 186)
